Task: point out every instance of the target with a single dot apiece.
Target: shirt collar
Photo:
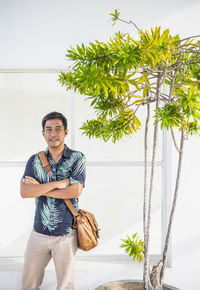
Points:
(66, 152)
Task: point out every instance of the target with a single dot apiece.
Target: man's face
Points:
(54, 133)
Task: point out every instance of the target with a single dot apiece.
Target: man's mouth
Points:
(53, 140)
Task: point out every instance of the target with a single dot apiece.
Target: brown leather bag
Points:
(84, 221)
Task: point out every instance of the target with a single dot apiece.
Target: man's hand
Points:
(29, 180)
(62, 183)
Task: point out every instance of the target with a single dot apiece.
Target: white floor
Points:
(185, 273)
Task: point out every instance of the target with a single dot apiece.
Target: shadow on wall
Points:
(187, 246)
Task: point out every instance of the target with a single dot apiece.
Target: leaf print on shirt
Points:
(50, 216)
(65, 169)
(79, 167)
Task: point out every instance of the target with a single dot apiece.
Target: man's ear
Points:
(66, 132)
(43, 133)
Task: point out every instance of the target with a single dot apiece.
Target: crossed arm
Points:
(30, 187)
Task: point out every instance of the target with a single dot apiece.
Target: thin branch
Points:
(174, 140)
(190, 50)
(193, 61)
(195, 36)
(145, 202)
(187, 44)
(168, 236)
(169, 77)
(172, 84)
(145, 102)
(129, 22)
(164, 97)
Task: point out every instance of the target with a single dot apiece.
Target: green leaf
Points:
(133, 247)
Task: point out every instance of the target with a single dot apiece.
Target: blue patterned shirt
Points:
(52, 216)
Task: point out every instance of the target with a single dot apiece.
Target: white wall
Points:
(37, 33)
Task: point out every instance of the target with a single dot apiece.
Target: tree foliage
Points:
(119, 77)
(133, 247)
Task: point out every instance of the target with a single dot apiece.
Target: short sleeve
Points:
(29, 171)
(78, 172)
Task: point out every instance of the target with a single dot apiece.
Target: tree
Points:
(122, 76)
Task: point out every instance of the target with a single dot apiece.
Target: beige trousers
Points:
(40, 249)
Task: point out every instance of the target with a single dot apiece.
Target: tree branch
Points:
(174, 140)
(172, 84)
(187, 38)
(145, 202)
(129, 22)
(173, 205)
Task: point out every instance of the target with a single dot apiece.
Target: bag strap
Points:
(47, 167)
(45, 163)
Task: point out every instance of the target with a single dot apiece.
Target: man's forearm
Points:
(35, 190)
(72, 191)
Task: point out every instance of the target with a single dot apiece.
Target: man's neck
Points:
(56, 153)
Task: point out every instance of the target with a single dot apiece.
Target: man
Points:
(52, 235)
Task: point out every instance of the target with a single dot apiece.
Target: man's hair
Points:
(54, 115)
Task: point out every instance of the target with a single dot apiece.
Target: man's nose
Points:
(53, 133)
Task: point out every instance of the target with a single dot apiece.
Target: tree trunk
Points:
(146, 262)
(159, 83)
(157, 273)
(173, 205)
